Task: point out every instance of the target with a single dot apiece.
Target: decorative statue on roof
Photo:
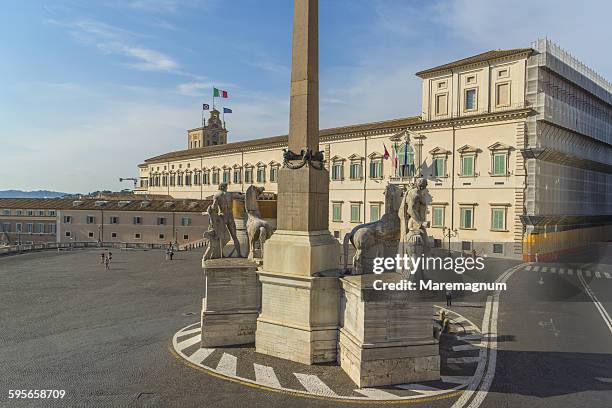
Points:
(221, 225)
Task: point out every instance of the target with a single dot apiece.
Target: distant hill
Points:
(31, 194)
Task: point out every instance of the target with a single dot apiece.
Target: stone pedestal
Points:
(386, 337)
(231, 303)
(300, 297)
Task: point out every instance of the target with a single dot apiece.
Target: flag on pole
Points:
(205, 106)
(227, 110)
(395, 156)
(386, 154)
(220, 93)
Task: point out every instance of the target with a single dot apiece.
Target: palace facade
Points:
(516, 146)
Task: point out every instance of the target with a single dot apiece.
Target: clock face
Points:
(216, 136)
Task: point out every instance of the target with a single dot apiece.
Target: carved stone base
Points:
(386, 337)
(299, 317)
(232, 302)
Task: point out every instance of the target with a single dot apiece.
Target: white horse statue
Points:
(378, 238)
(258, 229)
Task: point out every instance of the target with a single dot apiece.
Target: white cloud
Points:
(146, 58)
(194, 88)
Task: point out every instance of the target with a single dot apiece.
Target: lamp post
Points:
(449, 233)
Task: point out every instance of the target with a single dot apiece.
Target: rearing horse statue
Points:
(258, 229)
(374, 236)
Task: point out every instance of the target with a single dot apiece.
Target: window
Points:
(274, 174)
(338, 170)
(355, 212)
(439, 166)
(374, 212)
(185, 221)
(51, 228)
(172, 179)
(215, 177)
(376, 168)
(206, 178)
(470, 99)
(467, 218)
(51, 213)
(113, 235)
(437, 243)
(90, 234)
(498, 219)
(248, 175)
(161, 236)
(466, 245)
(227, 176)
(161, 221)
(137, 235)
(337, 212)
(67, 219)
(188, 179)
(197, 178)
(114, 220)
(467, 166)
(441, 104)
(502, 94)
(261, 174)
(237, 176)
(355, 170)
(30, 228)
(437, 217)
(179, 179)
(18, 227)
(30, 213)
(91, 219)
(406, 161)
(40, 228)
(18, 212)
(186, 237)
(498, 249)
(499, 164)
(6, 227)
(137, 220)
(6, 212)
(41, 213)
(67, 234)
(336, 234)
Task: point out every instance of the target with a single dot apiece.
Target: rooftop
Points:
(483, 57)
(141, 204)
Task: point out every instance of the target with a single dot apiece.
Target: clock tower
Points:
(212, 134)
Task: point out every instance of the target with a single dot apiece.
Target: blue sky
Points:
(90, 89)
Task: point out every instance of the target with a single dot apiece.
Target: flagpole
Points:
(213, 97)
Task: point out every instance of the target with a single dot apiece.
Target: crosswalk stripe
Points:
(528, 268)
(376, 393)
(570, 271)
(553, 270)
(597, 274)
(186, 332)
(465, 347)
(561, 271)
(265, 375)
(227, 364)
(470, 337)
(607, 275)
(189, 342)
(588, 274)
(470, 329)
(456, 379)
(462, 360)
(200, 355)
(313, 384)
(545, 269)
(536, 268)
(420, 388)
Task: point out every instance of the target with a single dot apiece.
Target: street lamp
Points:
(449, 233)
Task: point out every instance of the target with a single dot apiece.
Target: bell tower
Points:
(212, 134)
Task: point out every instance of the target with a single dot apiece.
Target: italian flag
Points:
(219, 93)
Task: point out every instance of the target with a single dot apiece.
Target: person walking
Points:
(171, 254)
(107, 263)
(102, 258)
(449, 298)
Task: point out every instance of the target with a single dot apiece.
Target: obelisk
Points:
(300, 291)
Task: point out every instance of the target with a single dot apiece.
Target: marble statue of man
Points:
(414, 240)
(222, 203)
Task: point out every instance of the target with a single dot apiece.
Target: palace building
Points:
(516, 146)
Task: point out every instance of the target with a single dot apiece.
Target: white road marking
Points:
(186, 332)
(561, 271)
(189, 342)
(528, 268)
(470, 329)
(200, 355)
(607, 275)
(462, 360)
(602, 311)
(313, 384)
(470, 337)
(465, 347)
(603, 379)
(456, 379)
(544, 268)
(588, 274)
(419, 388)
(265, 375)
(553, 270)
(597, 275)
(376, 393)
(536, 268)
(570, 271)
(227, 364)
